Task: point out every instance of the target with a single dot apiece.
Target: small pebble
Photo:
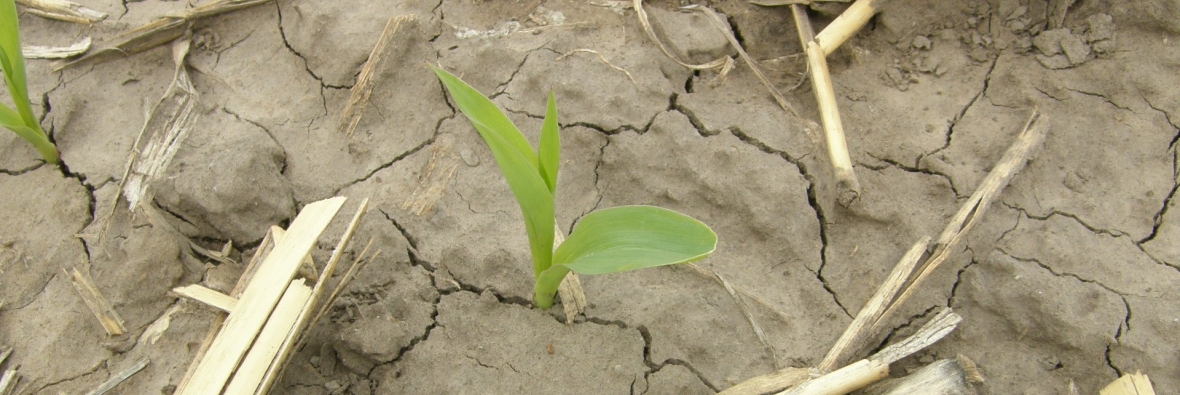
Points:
(921, 42)
(469, 157)
(332, 386)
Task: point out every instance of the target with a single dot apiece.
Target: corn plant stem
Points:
(12, 62)
(821, 80)
(845, 25)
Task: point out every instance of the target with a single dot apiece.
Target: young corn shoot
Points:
(20, 120)
(612, 240)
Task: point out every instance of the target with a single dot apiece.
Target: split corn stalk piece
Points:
(62, 10)
(8, 381)
(866, 371)
(942, 377)
(159, 31)
(359, 94)
(168, 123)
(299, 308)
(1015, 158)
(42, 52)
(260, 297)
(1130, 384)
(270, 340)
(120, 377)
(98, 304)
(902, 281)
(264, 249)
(309, 311)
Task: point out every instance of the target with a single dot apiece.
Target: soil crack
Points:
(913, 169)
(101, 365)
(306, 67)
(395, 159)
(1055, 212)
(1158, 218)
(1124, 326)
(950, 130)
(812, 200)
(1103, 97)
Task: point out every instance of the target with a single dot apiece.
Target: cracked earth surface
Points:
(1072, 276)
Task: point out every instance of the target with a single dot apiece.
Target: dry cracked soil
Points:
(1073, 275)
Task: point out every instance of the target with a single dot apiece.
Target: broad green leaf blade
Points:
(626, 238)
(480, 110)
(546, 286)
(10, 120)
(530, 190)
(549, 150)
(13, 62)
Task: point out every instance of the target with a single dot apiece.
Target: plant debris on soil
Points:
(1068, 282)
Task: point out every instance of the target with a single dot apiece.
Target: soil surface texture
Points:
(1072, 276)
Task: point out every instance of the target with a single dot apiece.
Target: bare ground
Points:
(1073, 275)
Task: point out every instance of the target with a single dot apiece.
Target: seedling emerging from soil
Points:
(12, 61)
(606, 241)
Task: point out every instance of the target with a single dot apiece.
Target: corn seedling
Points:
(21, 120)
(613, 240)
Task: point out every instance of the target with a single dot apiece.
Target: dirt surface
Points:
(1074, 275)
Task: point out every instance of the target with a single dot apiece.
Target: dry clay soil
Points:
(1073, 275)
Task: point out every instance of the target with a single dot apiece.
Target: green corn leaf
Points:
(10, 120)
(13, 61)
(479, 109)
(519, 166)
(549, 150)
(626, 238)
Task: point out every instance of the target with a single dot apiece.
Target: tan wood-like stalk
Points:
(1130, 384)
(942, 377)
(63, 11)
(248, 377)
(358, 97)
(866, 371)
(8, 381)
(264, 248)
(770, 382)
(854, 337)
(845, 380)
(848, 188)
(846, 25)
(159, 31)
(1013, 161)
(207, 296)
(309, 309)
(802, 24)
(43, 52)
(573, 298)
(260, 298)
(98, 304)
(120, 377)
